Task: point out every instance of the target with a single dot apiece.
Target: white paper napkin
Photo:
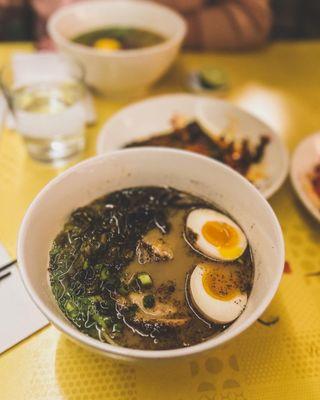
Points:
(19, 317)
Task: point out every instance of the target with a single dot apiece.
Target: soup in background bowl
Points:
(118, 38)
(196, 175)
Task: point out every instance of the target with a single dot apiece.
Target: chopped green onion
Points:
(108, 321)
(144, 280)
(117, 327)
(99, 267)
(100, 320)
(149, 301)
(74, 314)
(95, 299)
(123, 290)
(104, 274)
(70, 306)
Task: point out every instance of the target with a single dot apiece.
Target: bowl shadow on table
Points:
(305, 215)
(286, 201)
(173, 81)
(81, 373)
(217, 374)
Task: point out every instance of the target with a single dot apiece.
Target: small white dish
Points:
(153, 116)
(182, 170)
(193, 84)
(305, 157)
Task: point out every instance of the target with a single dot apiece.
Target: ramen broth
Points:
(119, 38)
(120, 270)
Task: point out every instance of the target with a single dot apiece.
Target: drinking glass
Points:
(47, 107)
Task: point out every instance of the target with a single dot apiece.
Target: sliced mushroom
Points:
(153, 250)
(160, 310)
(161, 315)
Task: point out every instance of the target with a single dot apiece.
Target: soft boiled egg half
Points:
(214, 235)
(215, 292)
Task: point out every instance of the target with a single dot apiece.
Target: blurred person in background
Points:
(16, 20)
(213, 24)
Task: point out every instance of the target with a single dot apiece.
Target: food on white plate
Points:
(238, 153)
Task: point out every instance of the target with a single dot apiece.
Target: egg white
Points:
(197, 219)
(214, 310)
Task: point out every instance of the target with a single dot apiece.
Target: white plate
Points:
(305, 157)
(153, 116)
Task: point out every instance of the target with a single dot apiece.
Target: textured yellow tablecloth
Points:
(282, 85)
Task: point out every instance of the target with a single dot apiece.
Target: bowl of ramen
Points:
(124, 46)
(151, 263)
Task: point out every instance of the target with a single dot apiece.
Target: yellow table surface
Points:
(281, 84)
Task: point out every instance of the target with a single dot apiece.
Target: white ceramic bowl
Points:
(148, 117)
(124, 71)
(135, 167)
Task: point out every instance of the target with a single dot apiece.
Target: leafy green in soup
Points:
(119, 38)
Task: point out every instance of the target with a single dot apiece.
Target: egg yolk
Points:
(107, 44)
(222, 236)
(221, 282)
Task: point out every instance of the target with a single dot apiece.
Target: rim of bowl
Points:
(267, 193)
(125, 352)
(168, 42)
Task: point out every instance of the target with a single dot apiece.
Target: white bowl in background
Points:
(125, 71)
(153, 116)
(150, 166)
(304, 159)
